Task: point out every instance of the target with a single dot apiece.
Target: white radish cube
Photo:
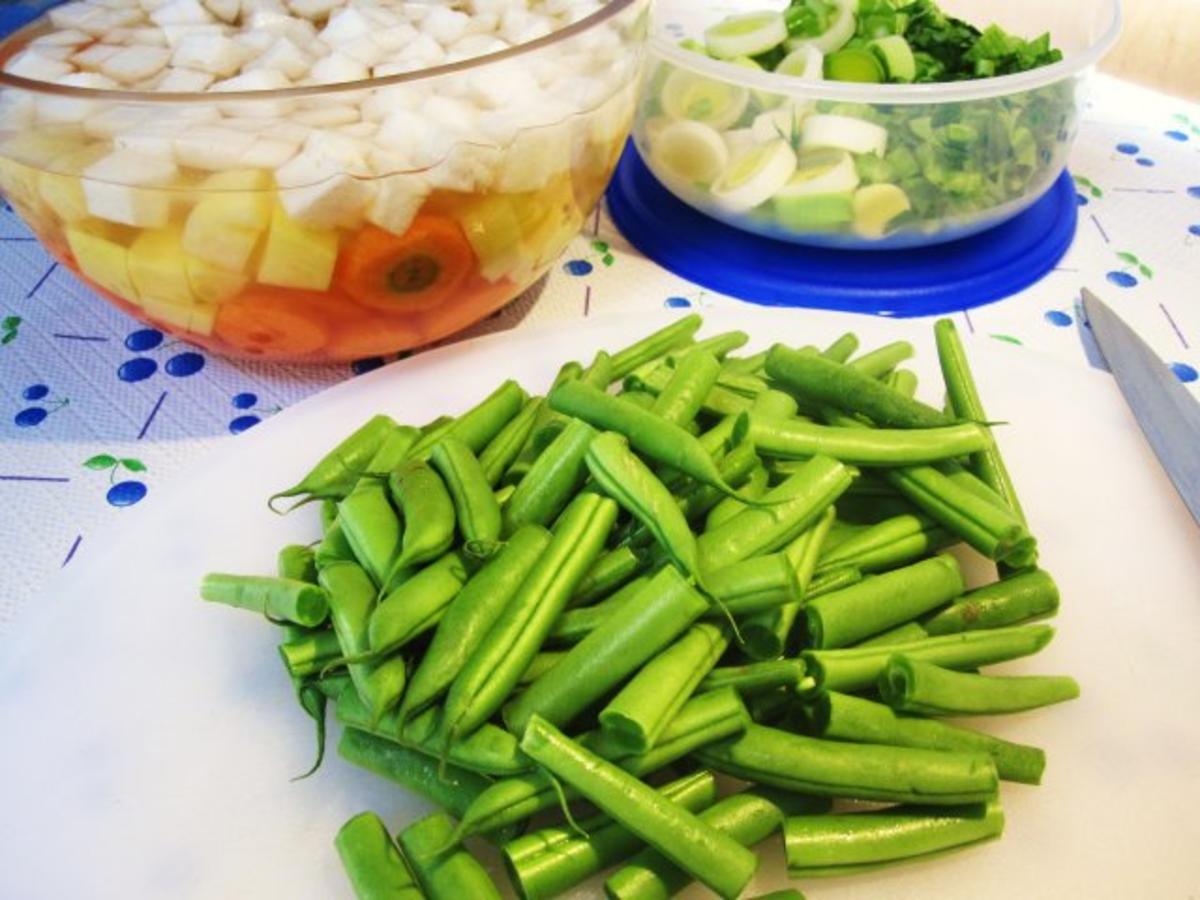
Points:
(538, 27)
(249, 126)
(72, 15)
(424, 51)
(132, 64)
(32, 64)
(445, 25)
(258, 42)
(299, 31)
(395, 37)
(474, 45)
(413, 137)
(456, 116)
(256, 80)
(383, 101)
(17, 109)
(116, 120)
(149, 139)
(286, 57)
(213, 53)
(337, 68)
(185, 81)
(346, 153)
(250, 7)
(62, 54)
(345, 25)
(505, 85)
(360, 130)
(365, 50)
(534, 157)
(484, 23)
(314, 10)
(181, 12)
(212, 148)
(396, 202)
(327, 116)
(380, 15)
(173, 34)
(468, 167)
(493, 7)
(225, 10)
(73, 109)
(121, 187)
(109, 20)
(317, 192)
(92, 58)
(147, 37)
(69, 37)
(269, 153)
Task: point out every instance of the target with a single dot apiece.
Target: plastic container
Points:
(956, 158)
(334, 222)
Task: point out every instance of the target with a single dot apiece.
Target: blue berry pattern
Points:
(1125, 276)
(1086, 190)
(1058, 318)
(41, 407)
(139, 368)
(125, 492)
(601, 252)
(247, 403)
(1184, 372)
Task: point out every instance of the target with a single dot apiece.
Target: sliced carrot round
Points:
(373, 336)
(474, 301)
(274, 323)
(406, 273)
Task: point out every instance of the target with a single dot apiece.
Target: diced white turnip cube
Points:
(347, 154)
(212, 147)
(185, 81)
(256, 80)
(445, 25)
(284, 56)
(345, 25)
(116, 119)
(359, 130)
(422, 52)
(68, 37)
(456, 116)
(300, 32)
(116, 4)
(225, 10)
(150, 138)
(32, 64)
(534, 157)
(474, 45)
(538, 27)
(181, 12)
(213, 53)
(493, 7)
(314, 10)
(132, 64)
(258, 42)
(395, 37)
(146, 37)
(397, 200)
(484, 23)
(62, 54)
(121, 188)
(413, 137)
(176, 33)
(316, 191)
(327, 116)
(91, 58)
(365, 50)
(503, 85)
(17, 109)
(269, 153)
(383, 101)
(74, 16)
(467, 167)
(292, 132)
(74, 109)
(250, 7)
(337, 68)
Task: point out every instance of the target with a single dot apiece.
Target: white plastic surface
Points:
(148, 737)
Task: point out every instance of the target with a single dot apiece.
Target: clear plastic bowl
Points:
(967, 155)
(329, 223)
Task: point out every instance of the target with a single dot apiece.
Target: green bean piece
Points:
(756, 584)
(856, 668)
(785, 894)
(371, 528)
(644, 399)
(297, 562)
(749, 387)
(704, 719)
(452, 875)
(797, 439)
(553, 479)
(620, 474)
(719, 439)
(708, 855)
(681, 398)
(747, 365)
(964, 400)
(901, 634)
(846, 718)
(902, 381)
(842, 349)
(476, 511)
(328, 514)
(576, 624)
(503, 449)
(611, 572)
(820, 380)
(418, 604)
(775, 404)
(479, 424)
(374, 864)
(661, 441)
(393, 451)
(882, 601)
(598, 374)
(737, 467)
(333, 547)
(755, 678)
(424, 502)
(720, 345)
(755, 488)
(641, 710)
(309, 654)
(846, 843)
(718, 401)
(766, 634)
(336, 473)
(351, 601)
(672, 337)
(497, 663)
(541, 664)
(278, 598)
(550, 861)
(546, 425)
(470, 615)
(489, 750)
(792, 507)
(893, 542)
(808, 765)
(882, 360)
(1018, 598)
(911, 686)
(635, 632)
(455, 790)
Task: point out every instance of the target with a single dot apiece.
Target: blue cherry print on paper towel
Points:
(1128, 149)
(1185, 373)
(1058, 318)
(578, 267)
(252, 413)
(1124, 277)
(126, 492)
(600, 253)
(1194, 191)
(184, 364)
(145, 340)
(40, 408)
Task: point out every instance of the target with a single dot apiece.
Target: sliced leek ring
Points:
(689, 152)
(844, 133)
(814, 212)
(746, 35)
(686, 95)
(784, 122)
(821, 172)
(806, 62)
(876, 206)
(754, 176)
(739, 140)
(840, 30)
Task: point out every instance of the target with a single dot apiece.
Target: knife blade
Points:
(1168, 415)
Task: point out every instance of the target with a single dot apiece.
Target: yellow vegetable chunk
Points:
(297, 256)
(158, 268)
(103, 260)
(61, 188)
(227, 222)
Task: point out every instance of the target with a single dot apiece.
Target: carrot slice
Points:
(373, 336)
(405, 273)
(477, 299)
(274, 323)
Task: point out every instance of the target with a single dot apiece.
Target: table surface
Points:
(98, 413)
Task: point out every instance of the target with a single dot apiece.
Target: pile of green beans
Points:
(676, 564)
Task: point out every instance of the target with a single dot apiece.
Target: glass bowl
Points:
(865, 166)
(327, 223)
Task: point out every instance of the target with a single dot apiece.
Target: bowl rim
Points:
(611, 9)
(897, 94)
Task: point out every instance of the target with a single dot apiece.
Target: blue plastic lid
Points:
(914, 282)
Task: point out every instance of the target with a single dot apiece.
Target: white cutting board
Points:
(147, 738)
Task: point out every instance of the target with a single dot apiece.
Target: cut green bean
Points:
(705, 853)
(599, 373)
(336, 473)
(421, 496)
(503, 449)
(846, 718)
(751, 365)
(901, 634)
(807, 765)
(452, 875)
(553, 479)
(902, 381)
(755, 488)
(479, 424)
(297, 562)
(279, 598)
(550, 861)
(681, 399)
(576, 624)
(541, 664)
(842, 349)
(775, 404)
(328, 513)
(756, 584)
(309, 654)
(847, 843)
(374, 864)
(642, 709)
(1018, 598)
(912, 686)
(882, 601)
(721, 345)
(476, 512)
(885, 545)
(418, 604)
(718, 401)
(856, 668)
(882, 360)
(755, 678)
(672, 337)
(371, 528)
(611, 571)
(470, 615)
(797, 439)
(333, 547)
(393, 451)
(635, 632)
